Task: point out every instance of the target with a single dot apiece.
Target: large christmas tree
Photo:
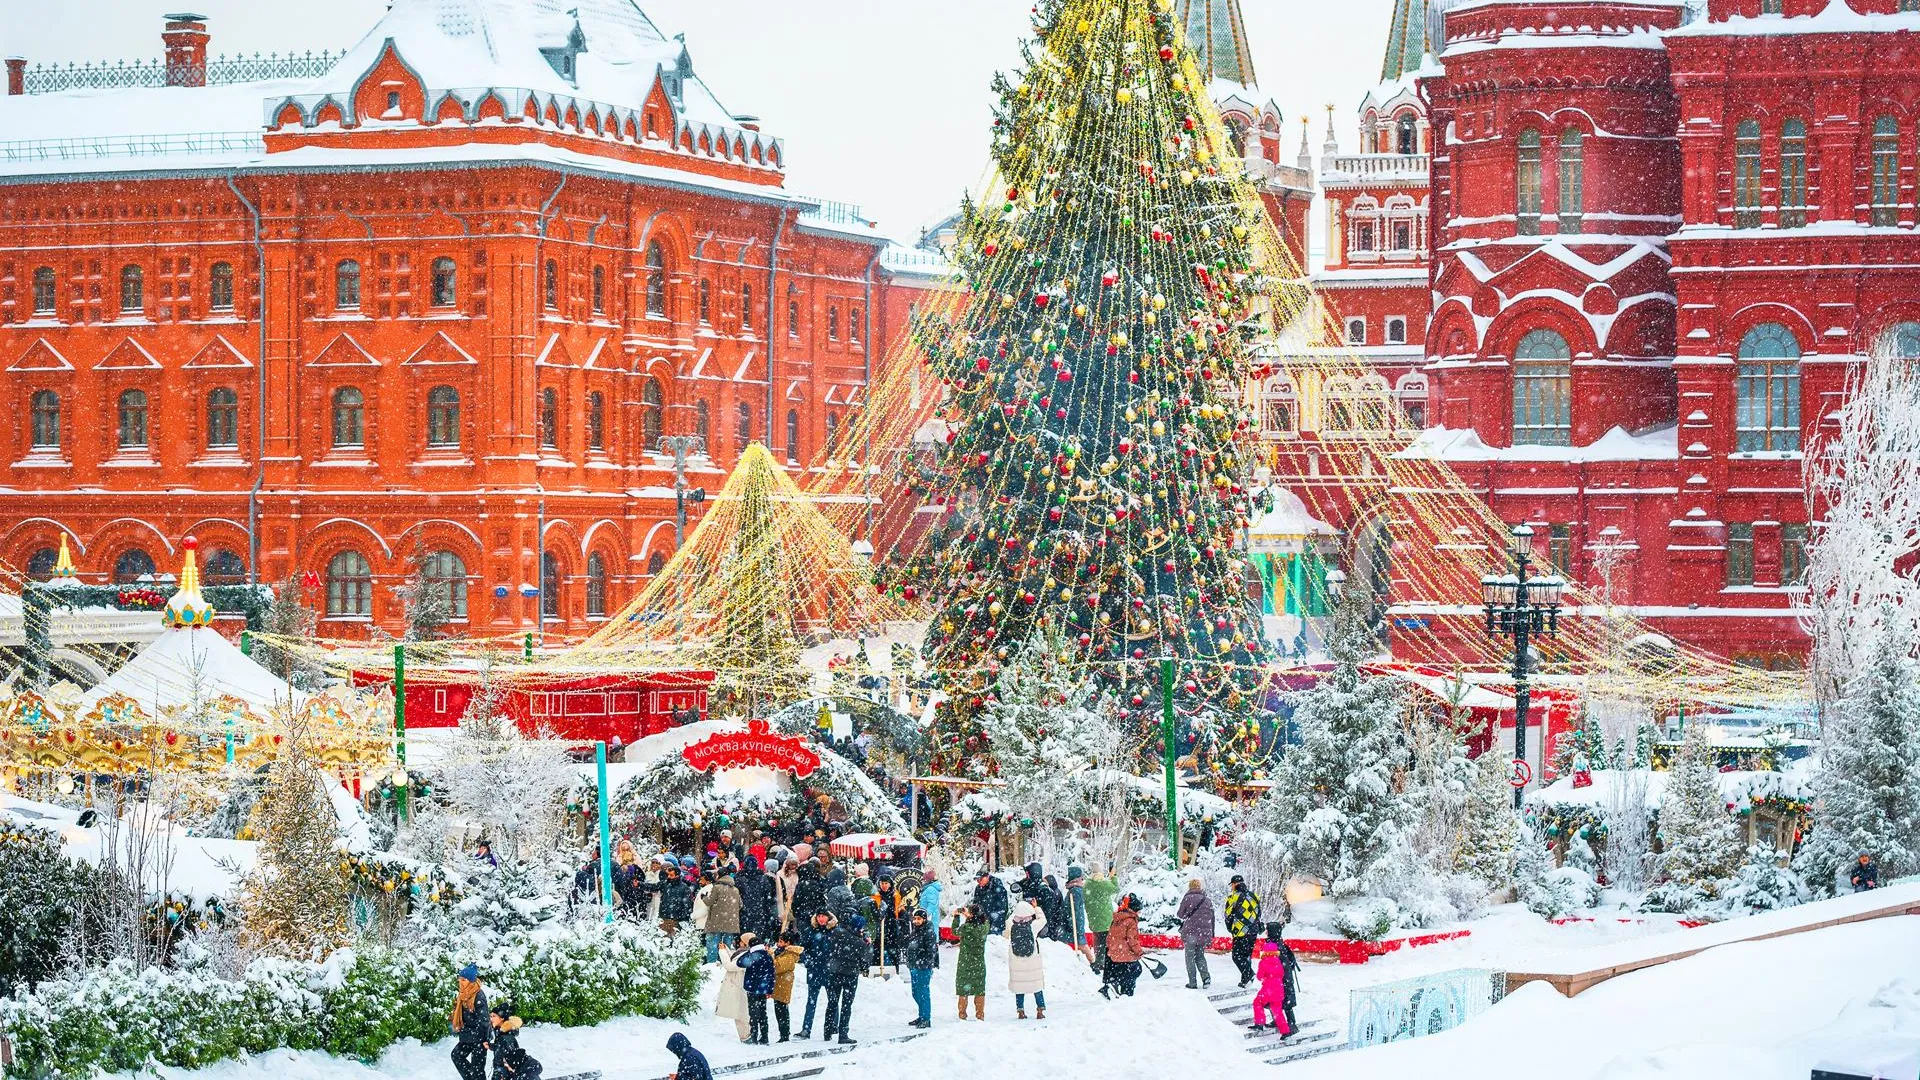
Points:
(1093, 472)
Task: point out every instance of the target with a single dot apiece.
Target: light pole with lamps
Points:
(1520, 607)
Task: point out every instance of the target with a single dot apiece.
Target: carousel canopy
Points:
(188, 663)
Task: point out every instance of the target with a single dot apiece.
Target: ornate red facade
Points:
(440, 306)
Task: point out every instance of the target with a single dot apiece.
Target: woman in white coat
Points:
(1026, 971)
(732, 1002)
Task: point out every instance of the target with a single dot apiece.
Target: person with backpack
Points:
(1026, 971)
(510, 1060)
(1272, 997)
(922, 948)
(1124, 948)
(757, 963)
(970, 970)
(1243, 926)
(817, 955)
(1196, 933)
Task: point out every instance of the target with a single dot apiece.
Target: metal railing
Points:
(220, 71)
(839, 213)
(1412, 1008)
(106, 146)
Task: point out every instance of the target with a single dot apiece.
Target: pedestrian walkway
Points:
(790, 1065)
(1312, 1039)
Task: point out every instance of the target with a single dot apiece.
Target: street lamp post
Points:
(1521, 607)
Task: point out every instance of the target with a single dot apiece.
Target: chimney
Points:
(186, 38)
(16, 76)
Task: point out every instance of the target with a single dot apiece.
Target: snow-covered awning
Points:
(1287, 528)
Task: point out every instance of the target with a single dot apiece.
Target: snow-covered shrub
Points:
(1764, 884)
(1676, 898)
(45, 897)
(1368, 918)
(355, 1004)
(1545, 891)
(1578, 885)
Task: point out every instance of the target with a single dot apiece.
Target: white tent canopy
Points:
(188, 664)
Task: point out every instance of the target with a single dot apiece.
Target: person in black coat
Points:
(817, 958)
(693, 1063)
(1293, 983)
(471, 1025)
(756, 900)
(676, 900)
(922, 954)
(991, 894)
(1865, 873)
(809, 896)
(754, 959)
(511, 1060)
(839, 895)
(848, 952)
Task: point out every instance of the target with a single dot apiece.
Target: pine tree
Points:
(1537, 885)
(1700, 845)
(427, 604)
(1333, 807)
(296, 902)
(1490, 831)
(1048, 730)
(1094, 476)
(1867, 797)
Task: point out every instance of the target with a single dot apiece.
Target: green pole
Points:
(400, 720)
(606, 831)
(526, 648)
(246, 643)
(229, 740)
(1166, 741)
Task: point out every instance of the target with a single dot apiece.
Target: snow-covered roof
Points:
(1288, 518)
(1464, 444)
(1794, 781)
(183, 662)
(1836, 18)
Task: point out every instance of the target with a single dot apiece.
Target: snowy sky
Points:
(882, 102)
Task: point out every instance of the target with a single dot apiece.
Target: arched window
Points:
(223, 419)
(349, 417)
(706, 302)
(1746, 175)
(349, 586)
(445, 286)
(552, 284)
(1340, 394)
(746, 305)
(224, 568)
(550, 418)
(596, 586)
(1356, 331)
(599, 290)
(45, 410)
(220, 287)
(443, 416)
(1793, 174)
(346, 285)
(550, 598)
(1411, 391)
(133, 565)
(1527, 183)
(133, 290)
(1573, 179)
(703, 423)
(445, 575)
(1396, 331)
(793, 436)
(1406, 134)
(853, 323)
(1886, 171)
(743, 426)
(43, 290)
(656, 280)
(133, 420)
(1901, 341)
(1279, 407)
(652, 412)
(1542, 390)
(833, 432)
(1767, 390)
(656, 562)
(833, 322)
(596, 421)
(793, 318)
(40, 564)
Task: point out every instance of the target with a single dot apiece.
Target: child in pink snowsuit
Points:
(1272, 973)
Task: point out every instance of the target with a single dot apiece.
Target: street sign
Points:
(1519, 774)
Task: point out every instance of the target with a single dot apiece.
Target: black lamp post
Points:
(1520, 607)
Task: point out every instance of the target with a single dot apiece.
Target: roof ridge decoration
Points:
(1218, 36)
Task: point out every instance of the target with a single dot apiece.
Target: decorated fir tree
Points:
(1050, 731)
(1093, 474)
(1489, 831)
(296, 901)
(1867, 797)
(1699, 843)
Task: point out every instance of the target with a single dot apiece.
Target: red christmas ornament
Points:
(1166, 54)
(982, 364)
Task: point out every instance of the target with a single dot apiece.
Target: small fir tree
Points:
(1700, 845)
(427, 603)
(1537, 885)
(1764, 884)
(1867, 796)
(1047, 727)
(1490, 831)
(296, 902)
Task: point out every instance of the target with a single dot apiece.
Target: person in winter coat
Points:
(723, 915)
(990, 893)
(846, 962)
(510, 1060)
(693, 1063)
(922, 951)
(1124, 948)
(756, 900)
(1196, 933)
(970, 971)
(1076, 910)
(786, 956)
(839, 898)
(862, 883)
(629, 883)
(1272, 997)
(1865, 874)
(469, 1022)
(886, 915)
(1101, 892)
(928, 899)
(1026, 971)
(676, 900)
(1243, 926)
(809, 894)
(818, 957)
(731, 1004)
(1291, 965)
(757, 963)
(783, 886)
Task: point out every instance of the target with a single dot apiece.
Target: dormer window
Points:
(565, 59)
(393, 101)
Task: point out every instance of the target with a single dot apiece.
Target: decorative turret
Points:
(1406, 40)
(187, 608)
(1218, 36)
(63, 572)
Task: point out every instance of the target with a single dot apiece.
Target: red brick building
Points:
(1660, 235)
(435, 300)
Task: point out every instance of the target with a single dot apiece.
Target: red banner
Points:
(756, 746)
